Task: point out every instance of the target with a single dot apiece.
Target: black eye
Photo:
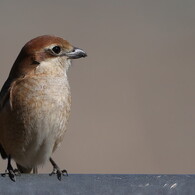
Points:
(56, 49)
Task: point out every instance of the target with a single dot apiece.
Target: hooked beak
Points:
(76, 53)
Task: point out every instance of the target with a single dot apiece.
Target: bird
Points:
(35, 104)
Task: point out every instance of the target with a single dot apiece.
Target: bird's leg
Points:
(10, 171)
(56, 170)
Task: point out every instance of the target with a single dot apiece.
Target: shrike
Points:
(35, 104)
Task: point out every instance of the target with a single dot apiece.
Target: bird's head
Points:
(45, 54)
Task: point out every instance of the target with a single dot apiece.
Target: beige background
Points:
(133, 97)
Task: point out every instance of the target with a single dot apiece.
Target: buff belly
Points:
(35, 124)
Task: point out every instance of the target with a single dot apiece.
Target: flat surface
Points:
(99, 184)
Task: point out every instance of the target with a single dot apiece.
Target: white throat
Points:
(54, 66)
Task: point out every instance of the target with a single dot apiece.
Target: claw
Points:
(65, 172)
(12, 175)
(57, 171)
(10, 171)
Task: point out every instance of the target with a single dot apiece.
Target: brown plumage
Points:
(35, 103)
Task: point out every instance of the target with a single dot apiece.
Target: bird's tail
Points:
(23, 169)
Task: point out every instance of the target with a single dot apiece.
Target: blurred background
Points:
(133, 97)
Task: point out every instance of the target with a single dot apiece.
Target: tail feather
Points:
(35, 170)
(20, 168)
(23, 169)
(3, 153)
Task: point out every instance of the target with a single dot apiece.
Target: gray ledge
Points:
(93, 184)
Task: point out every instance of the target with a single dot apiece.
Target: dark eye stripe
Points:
(56, 49)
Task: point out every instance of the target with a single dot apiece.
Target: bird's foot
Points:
(12, 173)
(57, 171)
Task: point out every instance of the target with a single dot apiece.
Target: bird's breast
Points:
(38, 118)
(41, 97)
